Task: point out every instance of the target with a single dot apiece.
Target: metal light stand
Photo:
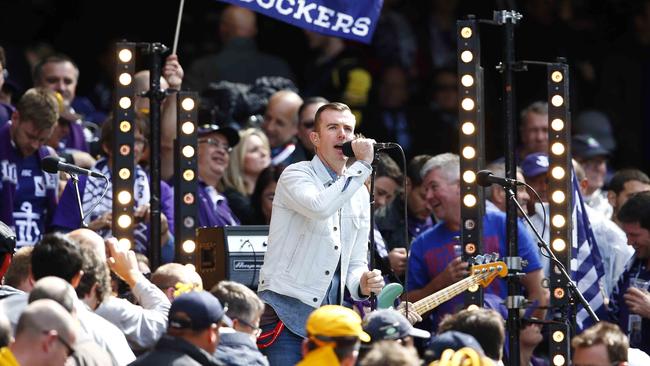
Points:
(156, 96)
(515, 300)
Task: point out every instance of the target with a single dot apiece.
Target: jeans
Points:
(287, 348)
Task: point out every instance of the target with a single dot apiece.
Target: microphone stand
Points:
(573, 289)
(372, 250)
(75, 183)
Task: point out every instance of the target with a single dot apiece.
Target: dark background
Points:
(87, 30)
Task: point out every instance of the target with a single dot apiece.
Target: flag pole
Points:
(178, 26)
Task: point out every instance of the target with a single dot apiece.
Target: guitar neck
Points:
(434, 300)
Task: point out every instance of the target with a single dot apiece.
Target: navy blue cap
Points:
(534, 165)
(197, 310)
(231, 134)
(387, 324)
(597, 125)
(585, 146)
(454, 340)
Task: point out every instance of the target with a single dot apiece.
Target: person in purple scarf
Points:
(27, 194)
(215, 144)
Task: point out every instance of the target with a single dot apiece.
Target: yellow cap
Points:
(335, 321)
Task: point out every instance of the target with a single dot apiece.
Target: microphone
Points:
(485, 178)
(347, 147)
(53, 165)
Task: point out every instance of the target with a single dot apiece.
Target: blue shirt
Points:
(30, 206)
(432, 251)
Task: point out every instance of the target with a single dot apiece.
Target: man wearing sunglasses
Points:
(45, 335)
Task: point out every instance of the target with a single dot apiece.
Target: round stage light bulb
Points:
(188, 151)
(557, 76)
(124, 221)
(125, 78)
(557, 100)
(467, 80)
(188, 174)
(469, 200)
(557, 124)
(188, 198)
(125, 102)
(187, 127)
(557, 148)
(473, 288)
(557, 172)
(469, 152)
(558, 221)
(125, 126)
(469, 176)
(189, 221)
(466, 32)
(558, 196)
(467, 56)
(124, 244)
(124, 197)
(125, 55)
(472, 307)
(187, 104)
(558, 336)
(468, 128)
(467, 104)
(189, 246)
(558, 360)
(124, 173)
(190, 267)
(125, 150)
(559, 245)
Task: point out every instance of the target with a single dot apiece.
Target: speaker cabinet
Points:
(234, 253)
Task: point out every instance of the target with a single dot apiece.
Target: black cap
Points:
(387, 324)
(229, 133)
(451, 340)
(585, 146)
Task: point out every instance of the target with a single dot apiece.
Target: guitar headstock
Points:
(487, 268)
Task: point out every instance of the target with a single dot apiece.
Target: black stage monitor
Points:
(234, 253)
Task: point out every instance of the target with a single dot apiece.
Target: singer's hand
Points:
(363, 149)
(371, 281)
(397, 259)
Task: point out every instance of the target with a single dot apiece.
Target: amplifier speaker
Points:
(234, 253)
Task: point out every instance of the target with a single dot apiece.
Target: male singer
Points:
(318, 235)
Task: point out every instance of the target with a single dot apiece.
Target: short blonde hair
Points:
(40, 107)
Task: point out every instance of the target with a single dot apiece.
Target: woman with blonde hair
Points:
(247, 161)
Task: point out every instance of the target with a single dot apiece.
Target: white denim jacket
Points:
(314, 222)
